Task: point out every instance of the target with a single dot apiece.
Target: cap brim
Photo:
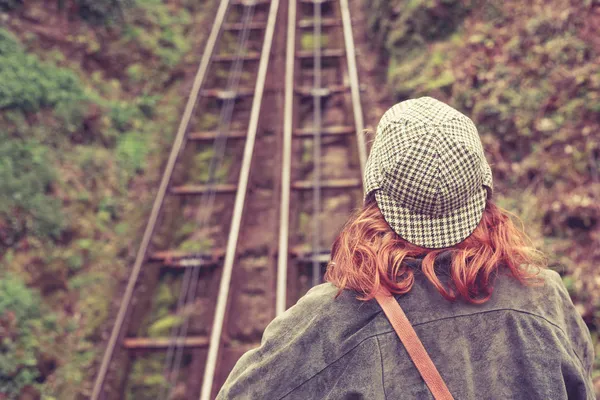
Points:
(429, 231)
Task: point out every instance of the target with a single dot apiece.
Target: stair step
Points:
(325, 53)
(325, 22)
(339, 130)
(314, 1)
(228, 94)
(238, 26)
(211, 135)
(323, 92)
(163, 343)
(249, 2)
(186, 259)
(201, 189)
(252, 56)
(306, 256)
(328, 184)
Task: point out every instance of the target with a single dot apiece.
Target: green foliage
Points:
(163, 326)
(21, 321)
(29, 84)
(79, 119)
(208, 121)
(100, 11)
(124, 115)
(128, 116)
(185, 229)
(160, 319)
(196, 245)
(202, 161)
(26, 205)
(157, 29)
(146, 378)
(132, 149)
(307, 41)
(405, 26)
(407, 36)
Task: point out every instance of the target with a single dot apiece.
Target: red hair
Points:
(368, 254)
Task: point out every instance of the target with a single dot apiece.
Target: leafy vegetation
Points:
(24, 327)
(28, 84)
(25, 207)
(527, 73)
(147, 378)
(100, 11)
(85, 116)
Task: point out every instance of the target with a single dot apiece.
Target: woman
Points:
(495, 322)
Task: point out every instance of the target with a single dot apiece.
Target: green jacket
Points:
(524, 343)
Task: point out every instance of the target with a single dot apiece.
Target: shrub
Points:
(21, 322)
(132, 149)
(25, 205)
(166, 39)
(29, 84)
(100, 11)
(406, 25)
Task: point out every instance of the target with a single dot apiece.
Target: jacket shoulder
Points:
(546, 300)
(306, 339)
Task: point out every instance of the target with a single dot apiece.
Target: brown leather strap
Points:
(413, 345)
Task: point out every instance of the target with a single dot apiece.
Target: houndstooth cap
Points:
(429, 173)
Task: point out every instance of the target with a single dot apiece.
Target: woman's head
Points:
(428, 190)
(428, 172)
(368, 254)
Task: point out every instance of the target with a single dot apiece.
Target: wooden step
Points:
(339, 130)
(163, 343)
(323, 92)
(228, 94)
(252, 56)
(304, 255)
(238, 26)
(325, 53)
(185, 259)
(309, 258)
(328, 184)
(314, 1)
(202, 189)
(249, 2)
(211, 135)
(325, 22)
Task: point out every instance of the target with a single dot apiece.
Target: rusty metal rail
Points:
(316, 132)
(178, 144)
(354, 85)
(230, 252)
(286, 163)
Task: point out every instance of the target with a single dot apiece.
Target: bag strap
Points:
(413, 345)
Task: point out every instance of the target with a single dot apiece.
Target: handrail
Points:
(354, 86)
(238, 208)
(286, 161)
